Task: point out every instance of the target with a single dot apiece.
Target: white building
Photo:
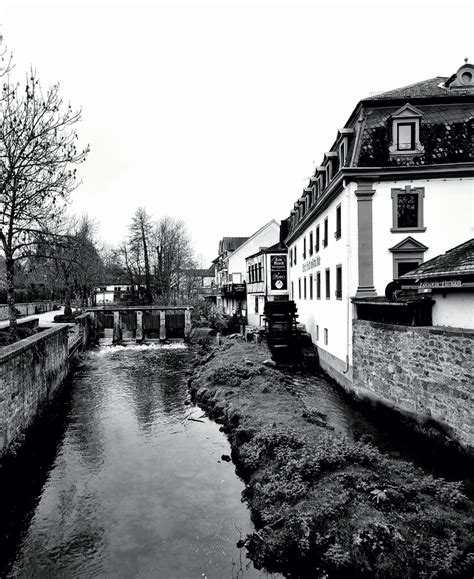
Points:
(449, 280)
(267, 280)
(111, 294)
(231, 267)
(395, 189)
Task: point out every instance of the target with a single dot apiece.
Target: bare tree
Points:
(37, 152)
(140, 230)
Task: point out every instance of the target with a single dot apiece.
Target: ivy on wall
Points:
(443, 143)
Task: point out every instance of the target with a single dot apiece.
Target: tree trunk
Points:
(148, 297)
(67, 302)
(10, 267)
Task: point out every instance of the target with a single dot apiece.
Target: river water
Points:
(123, 476)
(127, 485)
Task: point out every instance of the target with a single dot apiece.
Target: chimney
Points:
(283, 230)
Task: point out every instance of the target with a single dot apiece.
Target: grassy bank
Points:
(325, 506)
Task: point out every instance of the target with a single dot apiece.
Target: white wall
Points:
(332, 314)
(454, 309)
(448, 207)
(266, 237)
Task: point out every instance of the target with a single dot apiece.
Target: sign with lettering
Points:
(278, 272)
(441, 283)
(312, 263)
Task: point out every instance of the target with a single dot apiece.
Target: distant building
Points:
(394, 190)
(112, 294)
(449, 278)
(267, 280)
(197, 282)
(231, 266)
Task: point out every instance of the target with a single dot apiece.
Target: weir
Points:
(143, 323)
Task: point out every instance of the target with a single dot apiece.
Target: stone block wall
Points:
(26, 309)
(31, 371)
(424, 372)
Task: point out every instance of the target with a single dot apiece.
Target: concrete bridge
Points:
(146, 322)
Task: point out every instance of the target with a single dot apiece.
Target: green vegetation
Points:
(325, 506)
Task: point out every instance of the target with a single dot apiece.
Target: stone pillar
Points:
(117, 335)
(163, 325)
(187, 324)
(364, 194)
(139, 332)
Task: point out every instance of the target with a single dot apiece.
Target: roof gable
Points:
(407, 111)
(408, 245)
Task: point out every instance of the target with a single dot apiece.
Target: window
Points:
(299, 288)
(326, 228)
(310, 286)
(317, 239)
(304, 247)
(408, 209)
(311, 248)
(260, 271)
(337, 233)
(405, 131)
(318, 285)
(256, 304)
(339, 282)
(406, 266)
(407, 255)
(292, 291)
(326, 336)
(317, 332)
(291, 257)
(323, 182)
(294, 256)
(304, 287)
(328, 284)
(405, 136)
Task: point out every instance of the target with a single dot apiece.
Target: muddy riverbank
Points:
(326, 505)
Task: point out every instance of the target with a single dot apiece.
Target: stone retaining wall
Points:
(27, 309)
(424, 372)
(31, 371)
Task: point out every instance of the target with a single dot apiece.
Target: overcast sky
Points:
(217, 112)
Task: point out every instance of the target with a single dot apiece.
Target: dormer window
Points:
(406, 132)
(405, 136)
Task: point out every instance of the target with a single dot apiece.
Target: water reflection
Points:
(133, 487)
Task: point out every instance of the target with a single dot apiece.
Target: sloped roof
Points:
(423, 89)
(231, 243)
(455, 262)
(279, 247)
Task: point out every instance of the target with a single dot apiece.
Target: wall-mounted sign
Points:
(441, 283)
(312, 263)
(278, 272)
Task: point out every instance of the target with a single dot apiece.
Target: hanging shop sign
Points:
(278, 272)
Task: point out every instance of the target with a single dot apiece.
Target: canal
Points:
(123, 476)
(126, 479)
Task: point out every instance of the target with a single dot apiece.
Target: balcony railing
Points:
(234, 290)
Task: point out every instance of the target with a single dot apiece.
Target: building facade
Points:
(231, 268)
(267, 280)
(394, 190)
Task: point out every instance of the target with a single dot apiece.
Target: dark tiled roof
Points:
(231, 243)
(424, 89)
(455, 262)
